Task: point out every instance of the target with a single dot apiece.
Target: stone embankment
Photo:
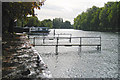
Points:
(20, 60)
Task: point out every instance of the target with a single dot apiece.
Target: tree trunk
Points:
(11, 24)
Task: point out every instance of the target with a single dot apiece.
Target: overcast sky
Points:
(66, 9)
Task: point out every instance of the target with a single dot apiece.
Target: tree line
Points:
(99, 19)
(16, 14)
(12, 11)
(56, 23)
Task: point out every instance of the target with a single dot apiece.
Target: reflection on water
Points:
(89, 63)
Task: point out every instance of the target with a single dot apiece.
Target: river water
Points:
(87, 63)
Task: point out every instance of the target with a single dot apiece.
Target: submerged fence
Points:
(69, 43)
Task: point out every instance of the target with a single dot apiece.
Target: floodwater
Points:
(87, 63)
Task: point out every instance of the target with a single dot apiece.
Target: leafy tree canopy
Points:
(55, 23)
(100, 19)
(12, 11)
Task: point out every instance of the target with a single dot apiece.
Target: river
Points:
(87, 63)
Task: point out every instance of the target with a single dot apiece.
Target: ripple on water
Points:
(89, 63)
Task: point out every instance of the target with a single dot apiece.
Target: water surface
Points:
(87, 63)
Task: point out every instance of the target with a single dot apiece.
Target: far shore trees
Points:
(56, 23)
(99, 19)
(59, 24)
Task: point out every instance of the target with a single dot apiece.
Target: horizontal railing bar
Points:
(70, 45)
(63, 37)
(63, 34)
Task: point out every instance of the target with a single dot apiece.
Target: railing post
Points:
(100, 42)
(43, 40)
(99, 46)
(54, 32)
(70, 38)
(57, 47)
(34, 41)
(80, 40)
(80, 43)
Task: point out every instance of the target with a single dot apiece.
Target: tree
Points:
(102, 19)
(113, 15)
(80, 22)
(66, 25)
(46, 23)
(94, 22)
(77, 22)
(57, 23)
(33, 21)
(118, 11)
(16, 10)
(20, 22)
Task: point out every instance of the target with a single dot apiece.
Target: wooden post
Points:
(100, 42)
(70, 38)
(57, 47)
(80, 40)
(80, 43)
(99, 46)
(34, 41)
(43, 40)
(54, 32)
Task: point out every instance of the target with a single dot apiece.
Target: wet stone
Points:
(23, 61)
(5, 72)
(6, 64)
(26, 72)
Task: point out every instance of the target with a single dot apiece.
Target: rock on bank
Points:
(20, 60)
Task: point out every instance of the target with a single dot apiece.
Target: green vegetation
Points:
(33, 21)
(95, 18)
(99, 19)
(46, 23)
(12, 11)
(57, 23)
